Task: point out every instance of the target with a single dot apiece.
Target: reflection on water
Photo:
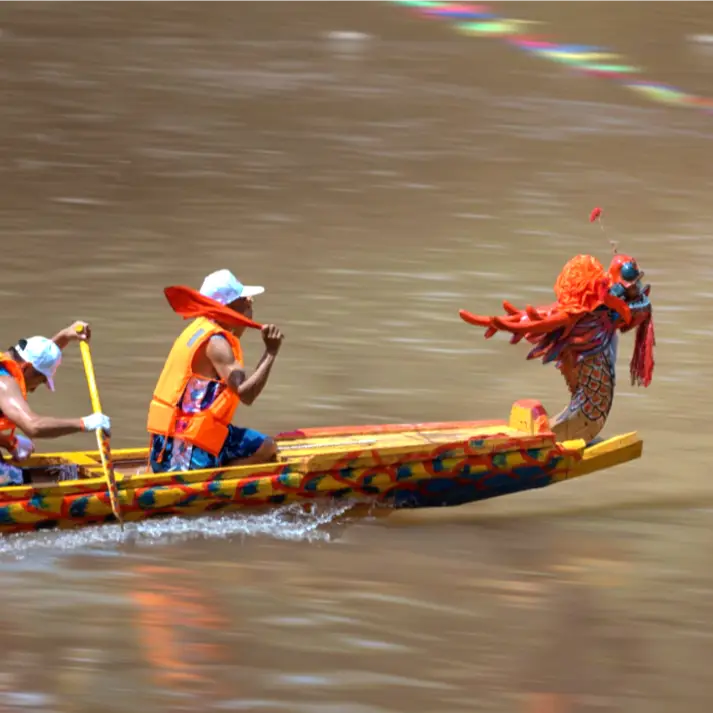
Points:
(375, 192)
(520, 610)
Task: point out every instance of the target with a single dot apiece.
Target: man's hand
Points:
(77, 331)
(272, 337)
(97, 421)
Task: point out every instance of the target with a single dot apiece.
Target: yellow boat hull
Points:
(400, 465)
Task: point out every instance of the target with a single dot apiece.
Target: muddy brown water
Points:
(374, 186)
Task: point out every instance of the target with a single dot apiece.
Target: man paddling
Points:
(27, 365)
(202, 384)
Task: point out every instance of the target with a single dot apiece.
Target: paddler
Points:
(24, 367)
(202, 384)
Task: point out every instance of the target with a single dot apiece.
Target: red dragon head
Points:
(582, 287)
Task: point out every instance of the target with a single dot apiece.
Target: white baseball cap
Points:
(43, 354)
(222, 286)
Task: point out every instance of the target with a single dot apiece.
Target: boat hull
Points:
(400, 466)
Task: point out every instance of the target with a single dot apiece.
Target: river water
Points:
(375, 185)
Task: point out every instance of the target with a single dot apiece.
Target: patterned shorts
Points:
(181, 456)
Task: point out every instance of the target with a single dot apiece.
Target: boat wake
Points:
(293, 522)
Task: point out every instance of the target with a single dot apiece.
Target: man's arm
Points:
(70, 334)
(223, 360)
(17, 410)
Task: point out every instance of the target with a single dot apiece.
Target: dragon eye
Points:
(629, 271)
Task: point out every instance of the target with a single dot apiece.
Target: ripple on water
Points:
(374, 645)
(346, 678)
(247, 704)
(27, 699)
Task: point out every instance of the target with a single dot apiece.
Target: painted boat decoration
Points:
(400, 465)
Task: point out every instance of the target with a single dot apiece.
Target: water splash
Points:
(292, 522)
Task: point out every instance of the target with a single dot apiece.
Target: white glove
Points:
(23, 447)
(96, 421)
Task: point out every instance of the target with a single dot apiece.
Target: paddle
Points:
(102, 438)
(189, 304)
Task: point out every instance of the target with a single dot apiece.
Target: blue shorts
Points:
(240, 443)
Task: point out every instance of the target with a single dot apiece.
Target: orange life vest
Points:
(206, 429)
(8, 427)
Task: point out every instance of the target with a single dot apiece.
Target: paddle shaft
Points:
(102, 438)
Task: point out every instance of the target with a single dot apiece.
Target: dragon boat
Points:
(399, 465)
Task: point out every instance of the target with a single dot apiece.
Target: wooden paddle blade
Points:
(189, 304)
